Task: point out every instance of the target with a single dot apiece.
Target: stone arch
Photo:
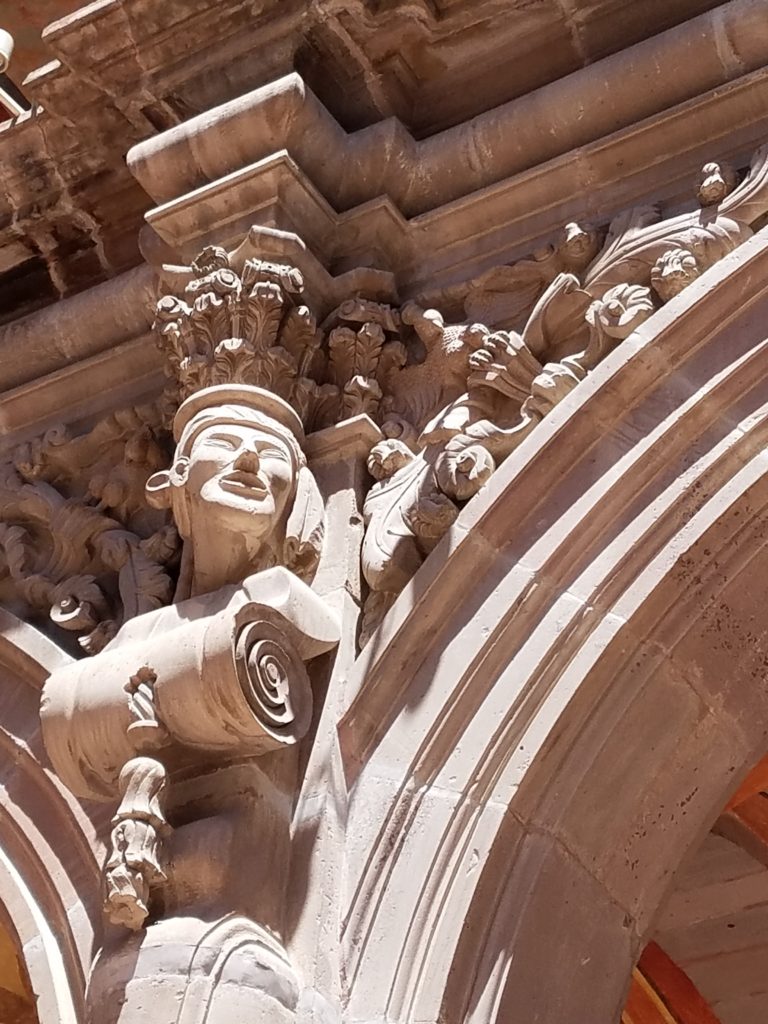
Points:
(49, 852)
(557, 708)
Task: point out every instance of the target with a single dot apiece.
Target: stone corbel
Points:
(214, 678)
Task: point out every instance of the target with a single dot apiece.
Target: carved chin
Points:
(229, 505)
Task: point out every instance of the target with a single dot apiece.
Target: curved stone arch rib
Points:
(674, 423)
(28, 652)
(41, 949)
(49, 851)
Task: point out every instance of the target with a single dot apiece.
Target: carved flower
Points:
(400, 429)
(224, 282)
(431, 516)
(716, 181)
(213, 257)
(674, 271)
(462, 473)
(170, 308)
(621, 310)
(387, 457)
(78, 603)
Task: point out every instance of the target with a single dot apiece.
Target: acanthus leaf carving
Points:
(572, 308)
(77, 540)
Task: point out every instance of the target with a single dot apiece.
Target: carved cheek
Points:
(207, 464)
(281, 480)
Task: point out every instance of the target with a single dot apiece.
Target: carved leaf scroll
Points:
(572, 304)
(78, 543)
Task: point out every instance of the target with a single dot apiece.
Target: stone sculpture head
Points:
(241, 493)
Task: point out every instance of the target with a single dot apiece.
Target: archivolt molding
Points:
(576, 302)
(595, 613)
(49, 849)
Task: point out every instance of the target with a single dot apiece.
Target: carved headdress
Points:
(239, 348)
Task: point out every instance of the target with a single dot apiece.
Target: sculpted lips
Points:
(240, 481)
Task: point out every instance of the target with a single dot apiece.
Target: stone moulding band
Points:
(639, 511)
(421, 175)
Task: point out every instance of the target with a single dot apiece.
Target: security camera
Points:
(6, 49)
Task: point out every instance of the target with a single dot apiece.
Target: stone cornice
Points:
(419, 176)
(76, 328)
(433, 255)
(356, 218)
(118, 79)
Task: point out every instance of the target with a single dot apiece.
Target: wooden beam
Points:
(643, 1004)
(677, 1000)
(746, 824)
(756, 782)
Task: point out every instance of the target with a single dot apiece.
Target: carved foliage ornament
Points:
(567, 308)
(77, 540)
(241, 320)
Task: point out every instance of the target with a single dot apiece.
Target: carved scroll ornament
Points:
(250, 369)
(571, 305)
(77, 540)
(222, 675)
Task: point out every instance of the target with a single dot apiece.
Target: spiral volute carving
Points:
(274, 681)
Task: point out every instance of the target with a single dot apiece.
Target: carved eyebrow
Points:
(273, 447)
(220, 435)
(266, 444)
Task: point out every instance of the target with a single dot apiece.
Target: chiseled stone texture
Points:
(414, 580)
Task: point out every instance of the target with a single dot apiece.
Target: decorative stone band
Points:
(223, 674)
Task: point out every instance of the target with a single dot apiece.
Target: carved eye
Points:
(272, 453)
(222, 441)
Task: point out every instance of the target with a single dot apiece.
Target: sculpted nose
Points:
(247, 461)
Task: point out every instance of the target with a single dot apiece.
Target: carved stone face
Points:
(239, 477)
(239, 488)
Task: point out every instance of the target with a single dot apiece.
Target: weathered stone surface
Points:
(365, 64)
(418, 548)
